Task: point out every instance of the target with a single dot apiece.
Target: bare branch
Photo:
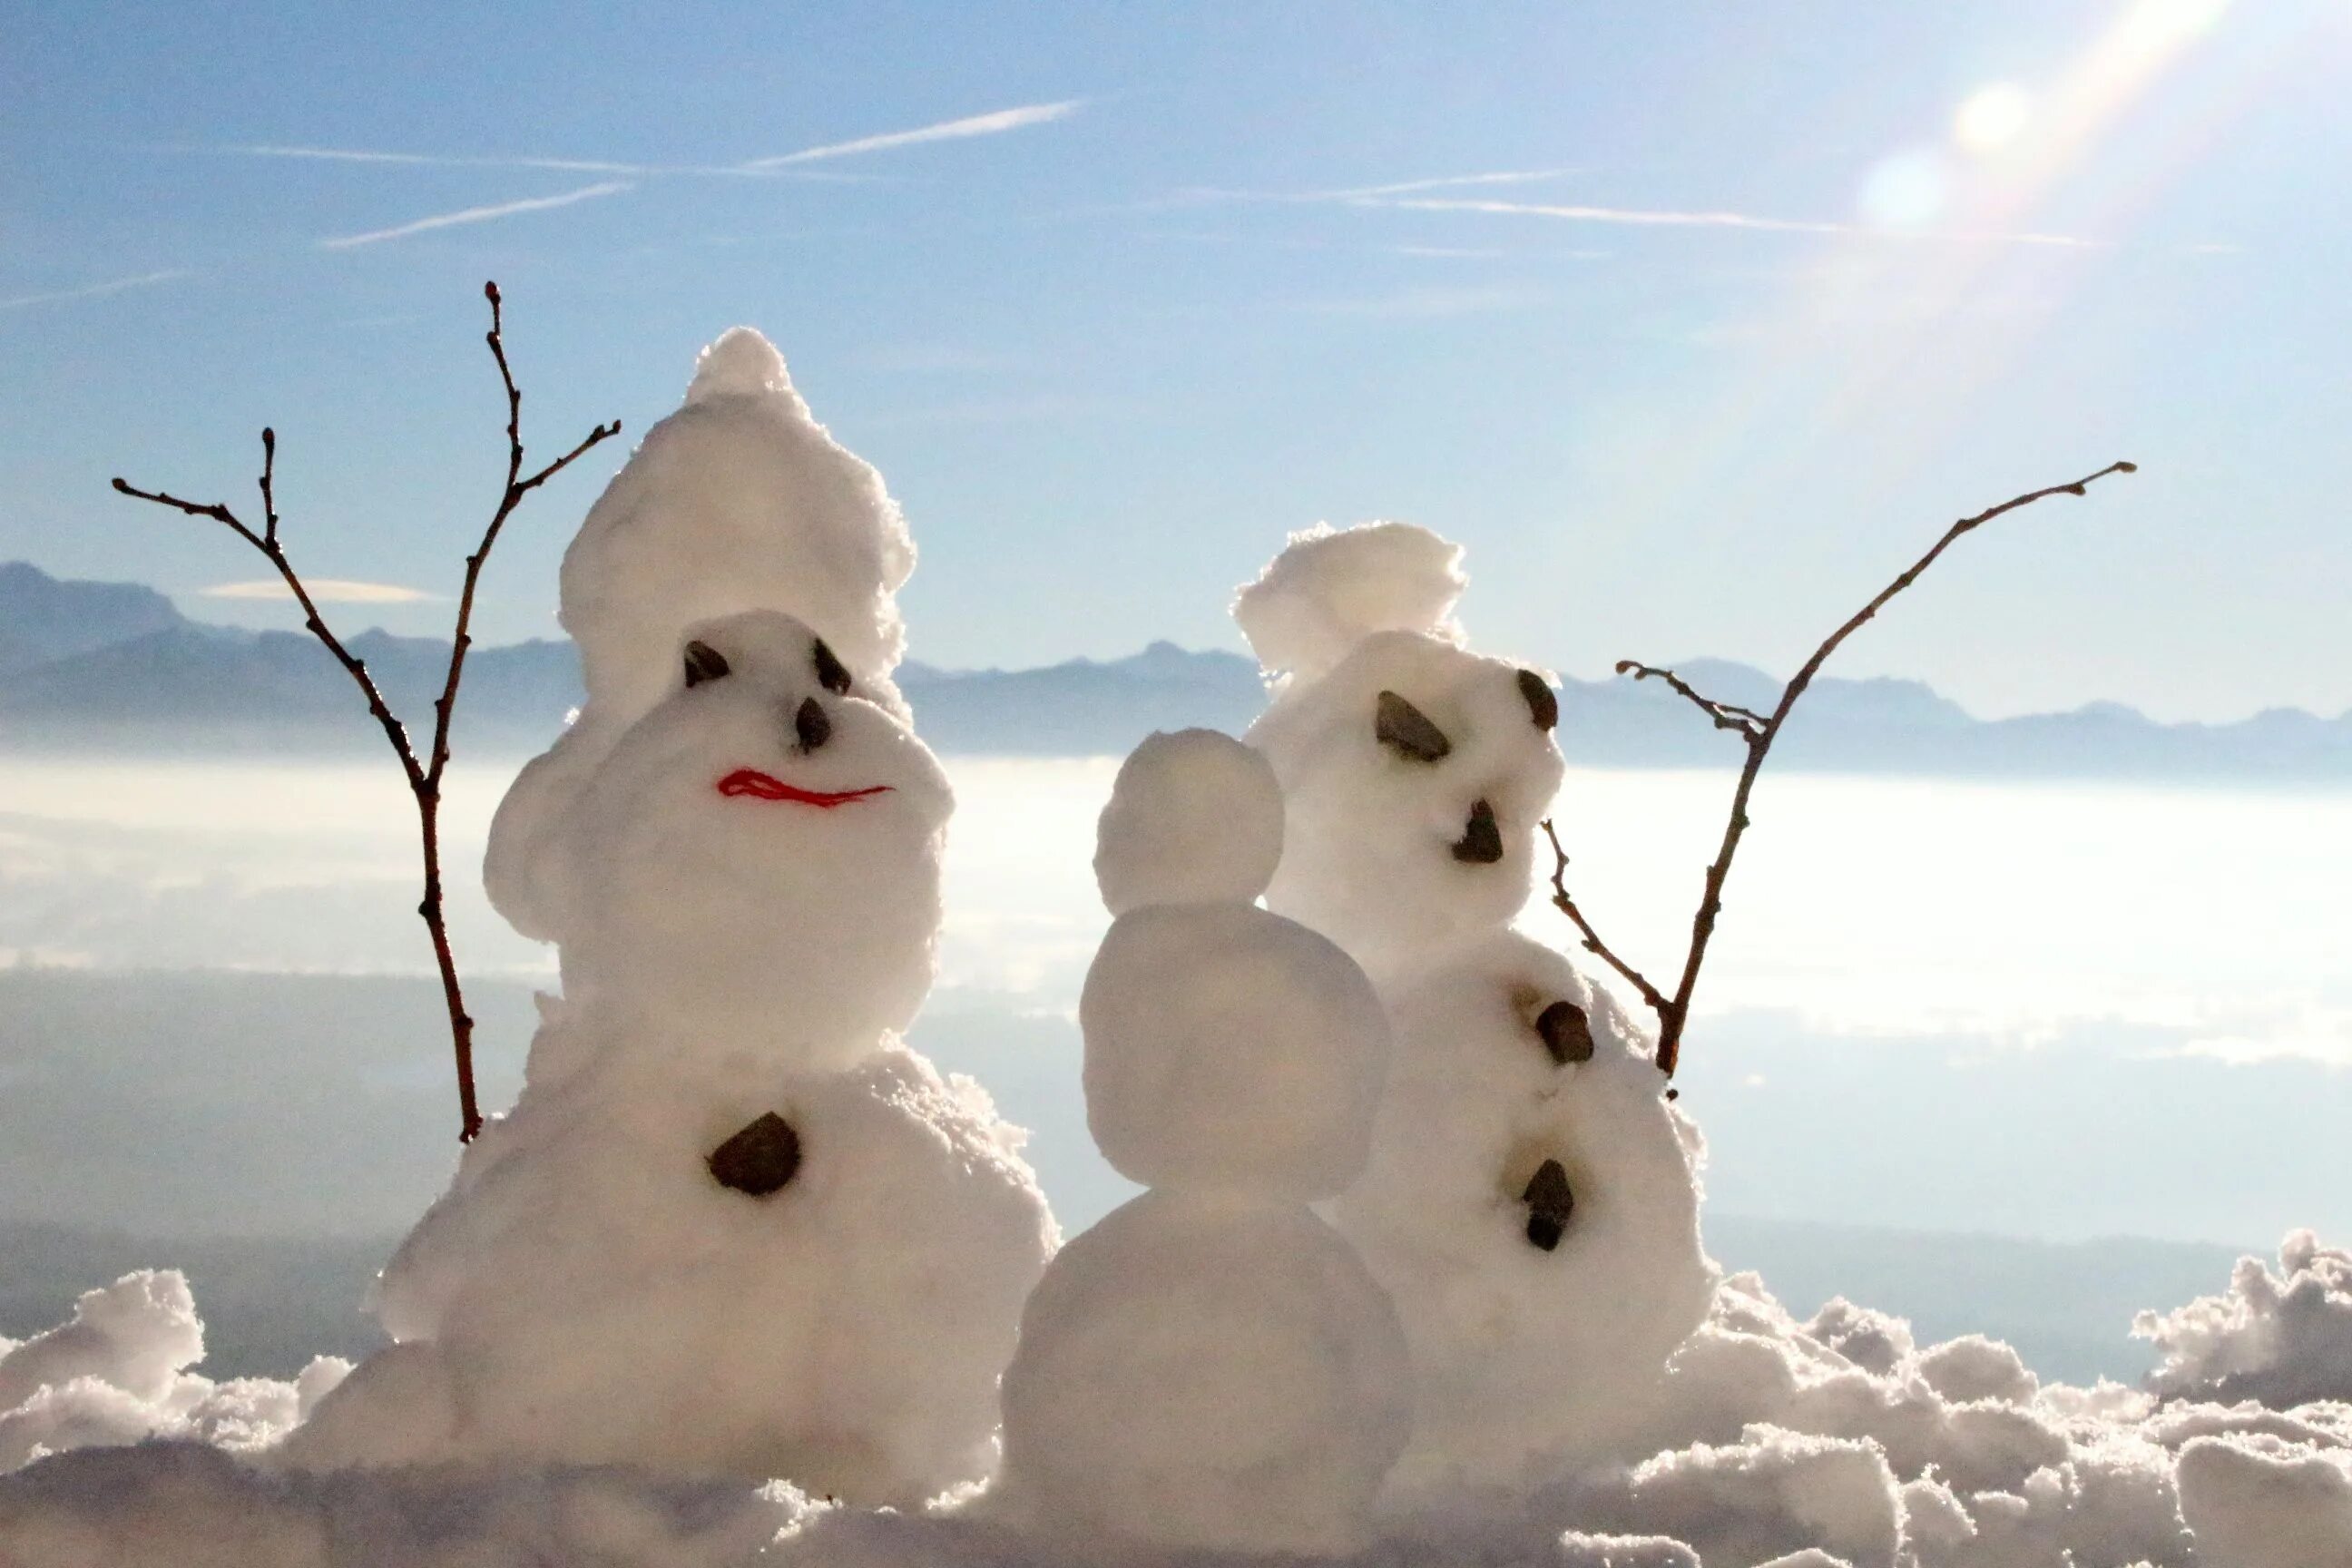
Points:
(1724, 715)
(1759, 731)
(1593, 943)
(424, 777)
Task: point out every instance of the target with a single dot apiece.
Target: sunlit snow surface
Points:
(1869, 905)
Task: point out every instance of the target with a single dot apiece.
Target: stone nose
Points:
(812, 724)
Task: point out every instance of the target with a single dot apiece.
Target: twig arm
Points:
(265, 542)
(1759, 731)
(1566, 904)
(1723, 715)
(424, 776)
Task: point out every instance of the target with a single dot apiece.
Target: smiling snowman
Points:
(1531, 1201)
(732, 1226)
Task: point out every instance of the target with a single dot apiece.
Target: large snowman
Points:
(1212, 1366)
(732, 1226)
(1531, 1201)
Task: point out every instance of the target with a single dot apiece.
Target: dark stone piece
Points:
(1481, 843)
(1567, 1034)
(1407, 731)
(703, 663)
(1550, 1202)
(831, 673)
(812, 725)
(758, 1160)
(1540, 700)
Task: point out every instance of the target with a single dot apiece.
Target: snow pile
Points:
(187, 1505)
(2280, 1339)
(739, 500)
(732, 1226)
(1531, 1202)
(1211, 1367)
(118, 1372)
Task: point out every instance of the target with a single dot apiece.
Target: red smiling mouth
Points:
(765, 786)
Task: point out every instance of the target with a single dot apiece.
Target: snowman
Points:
(1530, 1203)
(732, 1226)
(1212, 1366)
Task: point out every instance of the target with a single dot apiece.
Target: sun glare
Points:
(1990, 118)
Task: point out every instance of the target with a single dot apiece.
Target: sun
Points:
(1992, 117)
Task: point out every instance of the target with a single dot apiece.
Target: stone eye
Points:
(1407, 731)
(1540, 700)
(703, 663)
(831, 673)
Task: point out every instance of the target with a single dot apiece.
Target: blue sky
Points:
(1694, 320)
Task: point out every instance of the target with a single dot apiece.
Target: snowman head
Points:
(1413, 771)
(757, 859)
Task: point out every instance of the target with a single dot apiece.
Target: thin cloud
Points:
(478, 215)
(506, 160)
(993, 124)
(1647, 217)
(1430, 304)
(1355, 194)
(95, 291)
(325, 590)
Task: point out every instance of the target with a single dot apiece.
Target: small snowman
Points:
(1212, 1366)
(732, 1226)
(1531, 1201)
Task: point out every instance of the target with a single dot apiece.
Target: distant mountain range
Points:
(115, 667)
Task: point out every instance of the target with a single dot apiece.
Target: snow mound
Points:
(1777, 1449)
(1332, 588)
(118, 1372)
(2280, 1339)
(1194, 816)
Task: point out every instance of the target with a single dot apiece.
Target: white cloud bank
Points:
(325, 590)
(1835, 1441)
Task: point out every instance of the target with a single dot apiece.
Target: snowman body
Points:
(731, 1227)
(1530, 1201)
(1212, 1366)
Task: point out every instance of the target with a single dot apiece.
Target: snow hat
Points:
(739, 500)
(1329, 589)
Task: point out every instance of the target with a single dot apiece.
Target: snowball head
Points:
(1521, 1351)
(756, 860)
(588, 1292)
(739, 500)
(1194, 816)
(1330, 588)
(1413, 775)
(1205, 1371)
(1229, 1048)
